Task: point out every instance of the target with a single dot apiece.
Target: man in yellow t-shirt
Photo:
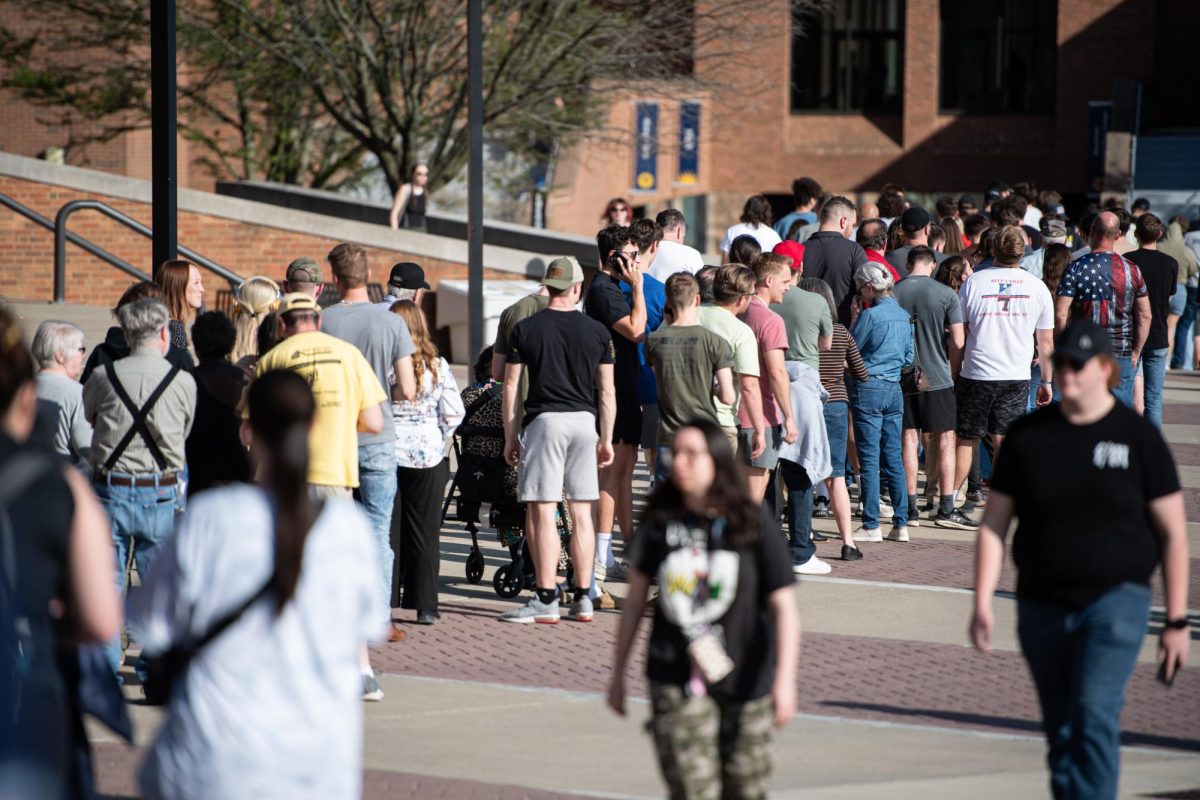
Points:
(344, 386)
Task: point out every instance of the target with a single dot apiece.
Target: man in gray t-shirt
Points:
(938, 334)
(384, 341)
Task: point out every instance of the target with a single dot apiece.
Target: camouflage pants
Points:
(711, 751)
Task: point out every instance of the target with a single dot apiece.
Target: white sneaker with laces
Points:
(898, 535)
(814, 566)
(865, 535)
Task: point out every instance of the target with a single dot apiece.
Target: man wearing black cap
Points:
(915, 224)
(406, 282)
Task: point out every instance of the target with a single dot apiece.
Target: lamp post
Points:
(165, 245)
(475, 174)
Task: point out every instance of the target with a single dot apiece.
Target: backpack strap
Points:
(140, 415)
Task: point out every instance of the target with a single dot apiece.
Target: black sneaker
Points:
(851, 553)
(817, 536)
(976, 499)
(822, 512)
(955, 519)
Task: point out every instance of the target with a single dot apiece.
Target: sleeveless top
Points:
(414, 210)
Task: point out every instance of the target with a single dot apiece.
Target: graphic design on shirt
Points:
(1103, 287)
(698, 586)
(1111, 455)
(1004, 296)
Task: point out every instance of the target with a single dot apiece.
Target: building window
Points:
(848, 58)
(998, 56)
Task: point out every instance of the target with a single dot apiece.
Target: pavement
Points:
(893, 701)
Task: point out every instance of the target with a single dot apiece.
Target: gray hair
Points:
(56, 338)
(142, 320)
(875, 276)
(402, 294)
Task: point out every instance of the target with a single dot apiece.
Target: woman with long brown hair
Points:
(294, 584)
(422, 470)
(726, 636)
(184, 293)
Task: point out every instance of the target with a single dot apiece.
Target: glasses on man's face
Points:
(82, 350)
(632, 255)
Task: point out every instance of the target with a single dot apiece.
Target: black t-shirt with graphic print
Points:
(744, 625)
(1081, 496)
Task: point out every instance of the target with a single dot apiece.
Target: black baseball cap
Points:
(407, 275)
(914, 219)
(1081, 340)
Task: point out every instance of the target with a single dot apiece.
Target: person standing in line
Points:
(58, 349)
(829, 254)
(725, 592)
(755, 221)
(673, 255)
(304, 275)
(57, 554)
(772, 280)
(1086, 475)
(938, 336)
(215, 454)
(384, 341)
(744, 250)
(1108, 289)
(1006, 311)
(841, 357)
(406, 281)
(692, 366)
(115, 347)
(422, 471)
(565, 437)
(733, 288)
(872, 237)
(806, 193)
(1054, 231)
(269, 707)
(183, 290)
(626, 323)
(141, 409)
(1182, 242)
(253, 299)
(647, 236)
(917, 225)
(1161, 275)
(884, 337)
(409, 204)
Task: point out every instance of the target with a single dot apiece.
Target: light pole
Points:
(475, 175)
(164, 245)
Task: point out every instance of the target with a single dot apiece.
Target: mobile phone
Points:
(1162, 674)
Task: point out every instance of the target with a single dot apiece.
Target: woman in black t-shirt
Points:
(726, 636)
(1098, 504)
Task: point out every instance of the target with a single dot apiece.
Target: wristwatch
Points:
(1176, 624)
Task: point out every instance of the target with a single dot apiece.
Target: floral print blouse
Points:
(422, 425)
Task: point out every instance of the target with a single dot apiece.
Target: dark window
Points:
(850, 58)
(998, 56)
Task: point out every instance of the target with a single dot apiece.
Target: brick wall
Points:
(27, 249)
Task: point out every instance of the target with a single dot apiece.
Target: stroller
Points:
(483, 477)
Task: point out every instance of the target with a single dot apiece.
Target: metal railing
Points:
(62, 235)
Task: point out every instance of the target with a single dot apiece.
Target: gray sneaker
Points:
(370, 689)
(534, 611)
(581, 610)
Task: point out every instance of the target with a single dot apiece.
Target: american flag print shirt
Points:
(1103, 287)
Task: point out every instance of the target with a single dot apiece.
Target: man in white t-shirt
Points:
(1003, 308)
(673, 255)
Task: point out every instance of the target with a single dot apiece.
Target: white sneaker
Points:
(898, 535)
(865, 535)
(814, 566)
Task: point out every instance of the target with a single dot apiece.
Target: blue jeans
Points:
(800, 508)
(878, 408)
(1080, 662)
(142, 520)
(377, 493)
(1124, 390)
(1181, 358)
(837, 421)
(662, 464)
(1154, 372)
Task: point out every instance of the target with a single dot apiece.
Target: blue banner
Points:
(689, 144)
(1099, 118)
(645, 169)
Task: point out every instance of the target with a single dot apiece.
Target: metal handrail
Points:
(75, 239)
(61, 234)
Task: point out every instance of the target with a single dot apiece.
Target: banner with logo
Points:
(645, 169)
(689, 144)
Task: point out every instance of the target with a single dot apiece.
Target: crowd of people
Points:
(837, 348)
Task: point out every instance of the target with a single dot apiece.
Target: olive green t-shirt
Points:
(806, 317)
(524, 308)
(685, 361)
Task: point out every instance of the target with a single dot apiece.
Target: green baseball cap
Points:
(563, 273)
(304, 270)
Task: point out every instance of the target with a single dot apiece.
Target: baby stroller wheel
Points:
(507, 584)
(475, 566)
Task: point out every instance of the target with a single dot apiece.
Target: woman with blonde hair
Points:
(254, 299)
(184, 292)
(422, 471)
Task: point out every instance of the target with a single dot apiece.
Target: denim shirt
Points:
(884, 337)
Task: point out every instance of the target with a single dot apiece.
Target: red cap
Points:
(792, 250)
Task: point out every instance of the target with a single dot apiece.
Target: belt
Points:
(165, 478)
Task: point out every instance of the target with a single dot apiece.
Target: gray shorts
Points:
(770, 454)
(650, 426)
(558, 458)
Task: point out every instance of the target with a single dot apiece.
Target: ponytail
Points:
(281, 412)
